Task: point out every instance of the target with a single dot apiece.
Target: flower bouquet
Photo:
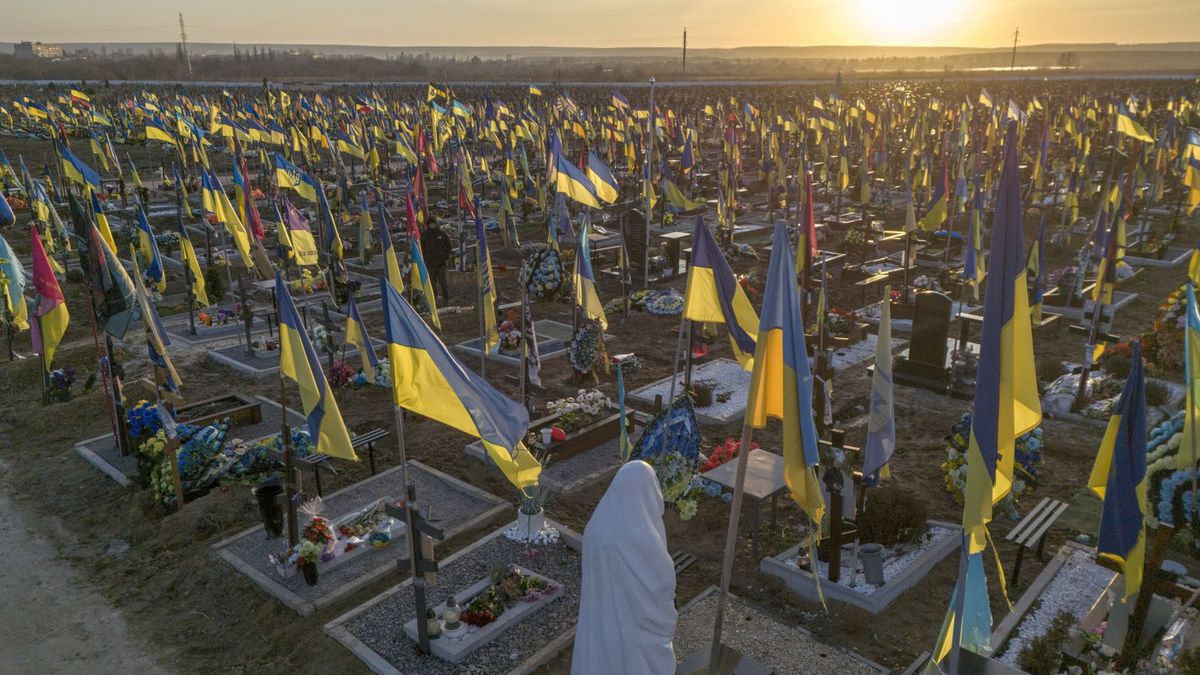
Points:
(841, 321)
(723, 453)
(665, 303)
(509, 586)
(543, 270)
(61, 381)
(1028, 455)
(585, 349)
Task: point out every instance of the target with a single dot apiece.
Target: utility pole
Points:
(183, 43)
(685, 51)
(1013, 64)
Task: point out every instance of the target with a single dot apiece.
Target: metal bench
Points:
(369, 439)
(1032, 530)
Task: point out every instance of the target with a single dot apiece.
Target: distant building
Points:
(37, 50)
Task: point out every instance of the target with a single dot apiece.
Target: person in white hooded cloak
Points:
(627, 607)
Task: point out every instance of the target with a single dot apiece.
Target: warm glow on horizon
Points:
(908, 22)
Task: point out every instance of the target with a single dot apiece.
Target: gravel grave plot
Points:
(728, 379)
(456, 507)
(1075, 588)
(860, 351)
(102, 452)
(787, 649)
(893, 565)
(380, 627)
(264, 363)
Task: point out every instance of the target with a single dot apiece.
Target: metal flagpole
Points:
(285, 433)
(409, 499)
(675, 368)
(960, 602)
(731, 535)
(647, 187)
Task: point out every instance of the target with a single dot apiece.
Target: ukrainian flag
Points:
(1130, 127)
(420, 277)
(50, 307)
(974, 264)
(156, 130)
(676, 199)
(291, 177)
(217, 202)
(298, 362)
(427, 380)
(586, 296)
(781, 385)
(487, 285)
(602, 179)
(156, 336)
(1033, 270)
(569, 180)
(1119, 478)
(1186, 458)
(149, 249)
(75, 169)
(1191, 159)
(13, 275)
(356, 334)
(391, 264)
(1006, 406)
(101, 221)
(938, 207)
(188, 257)
(713, 295)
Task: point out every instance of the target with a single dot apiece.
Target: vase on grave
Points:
(872, 561)
(269, 509)
(311, 574)
(529, 524)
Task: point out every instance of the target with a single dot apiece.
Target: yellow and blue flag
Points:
(602, 179)
(939, 206)
(157, 340)
(419, 273)
(356, 334)
(298, 362)
(1128, 126)
(676, 200)
(391, 263)
(1006, 407)
(1191, 173)
(191, 263)
(974, 262)
(155, 273)
(487, 284)
(1033, 270)
(291, 177)
(12, 274)
(297, 235)
(713, 295)
(76, 170)
(1119, 478)
(569, 180)
(781, 384)
(429, 381)
(101, 220)
(586, 296)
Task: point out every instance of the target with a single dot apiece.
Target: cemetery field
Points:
(169, 585)
(202, 587)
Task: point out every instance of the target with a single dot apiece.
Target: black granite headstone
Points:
(930, 329)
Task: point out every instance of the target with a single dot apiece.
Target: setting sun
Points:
(908, 21)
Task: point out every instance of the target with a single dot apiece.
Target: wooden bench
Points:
(1032, 530)
(369, 439)
(309, 464)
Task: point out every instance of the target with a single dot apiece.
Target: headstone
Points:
(924, 364)
(931, 328)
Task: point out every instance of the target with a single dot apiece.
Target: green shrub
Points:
(1157, 393)
(1043, 656)
(892, 516)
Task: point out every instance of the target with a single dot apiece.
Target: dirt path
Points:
(54, 621)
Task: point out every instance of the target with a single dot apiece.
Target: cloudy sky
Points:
(606, 23)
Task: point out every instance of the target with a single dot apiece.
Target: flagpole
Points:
(285, 434)
(675, 368)
(731, 534)
(409, 498)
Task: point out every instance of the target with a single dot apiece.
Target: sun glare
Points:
(908, 21)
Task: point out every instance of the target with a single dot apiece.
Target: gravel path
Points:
(381, 627)
(784, 648)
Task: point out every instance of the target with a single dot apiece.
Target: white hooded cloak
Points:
(627, 607)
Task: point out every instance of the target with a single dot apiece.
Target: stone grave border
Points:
(248, 370)
(713, 590)
(387, 563)
(1032, 594)
(801, 581)
(336, 628)
(92, 457)
(642, 395)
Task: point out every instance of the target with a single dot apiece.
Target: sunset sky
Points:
(607, 23)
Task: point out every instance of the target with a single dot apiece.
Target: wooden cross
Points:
(420, 548)
(835, 480)
(247, 313)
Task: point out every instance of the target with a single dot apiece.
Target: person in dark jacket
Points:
(436, 247)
